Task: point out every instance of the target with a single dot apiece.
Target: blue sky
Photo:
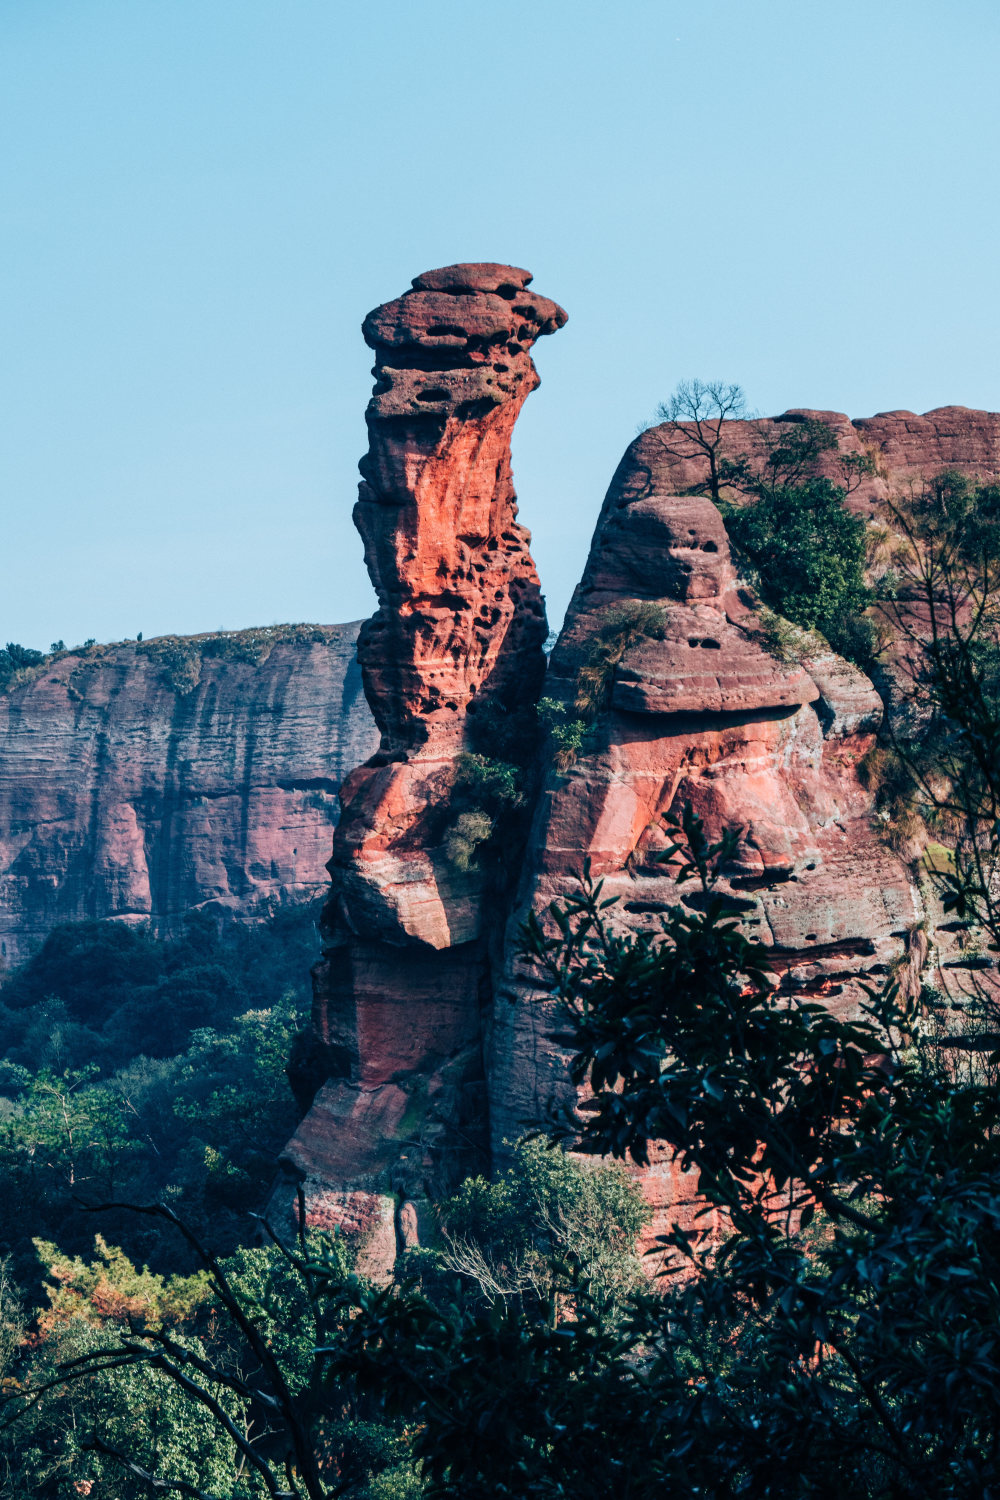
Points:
(200, 199)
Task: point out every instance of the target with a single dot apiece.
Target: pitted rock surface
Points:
(706, 714)
(459, 633)
(908, 448)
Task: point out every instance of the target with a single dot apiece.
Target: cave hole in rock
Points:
(432, 395)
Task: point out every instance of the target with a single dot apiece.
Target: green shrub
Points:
(131, 1067)
(490, 783)
(465, 837)
(507, 1236)
(808, 552)
(566, 735)
(17, 664)
(621, 626)
(787, 641)
(180, 657)
(484, 795)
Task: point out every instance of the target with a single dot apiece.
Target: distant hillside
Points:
(145, 779)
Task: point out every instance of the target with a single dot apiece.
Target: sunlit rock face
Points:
(460, 624)
(132, 790)
(708, 714)
(430, 1048)
(458, 636)
(704, 713)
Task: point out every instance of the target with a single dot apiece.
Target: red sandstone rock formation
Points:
(909, 448)
(460, 624)
(141, 782)
(707, 713)
(457, 641)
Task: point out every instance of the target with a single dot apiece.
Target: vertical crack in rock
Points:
(452, 656)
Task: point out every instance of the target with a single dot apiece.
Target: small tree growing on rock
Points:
(692, 420)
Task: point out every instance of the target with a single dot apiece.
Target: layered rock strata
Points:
(908, 448)
(453, 653)
(703, 712)
(141, 782)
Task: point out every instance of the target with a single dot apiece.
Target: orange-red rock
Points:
(706, 715)
(428, 1030)
(457, 638)
(908, 447)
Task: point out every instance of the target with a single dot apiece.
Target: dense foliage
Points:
(807, 551)
(512, 1238)
(221, 1380)
(834, 1327)
(136, 1068)
(485, 796)
(16, 660)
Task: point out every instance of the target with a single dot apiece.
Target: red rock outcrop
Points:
(908, 447)
(140, 782)
(456, 646)
(707, 714)
(420, 973)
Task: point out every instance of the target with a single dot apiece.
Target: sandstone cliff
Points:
(704, 713)
(907, 447)
(430, 1045)
(141, 781)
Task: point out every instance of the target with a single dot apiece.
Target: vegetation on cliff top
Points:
(179, 657)
(803, 550)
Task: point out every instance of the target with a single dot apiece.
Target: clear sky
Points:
(200, 199)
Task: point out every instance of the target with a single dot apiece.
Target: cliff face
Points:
(143, 781)
(706, 715)
(908, 447)
(431, 1046)
(460, 625)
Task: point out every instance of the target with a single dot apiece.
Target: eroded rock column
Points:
(454, 648)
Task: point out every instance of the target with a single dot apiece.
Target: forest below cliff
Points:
(828, 1322)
